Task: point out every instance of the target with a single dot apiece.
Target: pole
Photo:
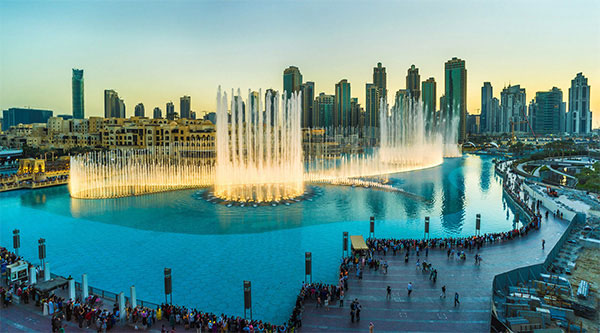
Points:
(426, 227)
(42, 250)
(308, 266)
(247, 298)
(168, 285)
(372, 227)
(478, 224)
(345, 244)
(16, 241)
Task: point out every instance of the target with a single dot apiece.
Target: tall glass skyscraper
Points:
(77, 94)
(487, 119)
(429, 97)
(456, 94)
(139, 110)
(513, 103)
(548, 112)
(341, 116)
(580, 116)
(380, 79)
(185, 105)
(413, 82)
(323, 107)
(308, 99)
(112, 106)
(292, 79)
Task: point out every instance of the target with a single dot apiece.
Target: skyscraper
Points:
(121, 109)
(16, 116)
(341, 116)
(112, 106)
(413, 83)
(139, 110)
(324, 107)
(77, 87)
(487, 119)
(292, 79)
(185, 106)
(513, 103)
(308, 98)
(456, 94)
(429, 98)
(580, 116)
(372, 108)
(380, 79)
(548, 112)
(157, 114)
(270, 106)
(354, 112)
(170, 109)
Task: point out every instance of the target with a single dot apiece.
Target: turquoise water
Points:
(212, 248)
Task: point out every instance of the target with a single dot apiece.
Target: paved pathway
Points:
(424, 310)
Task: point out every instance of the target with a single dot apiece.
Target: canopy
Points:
(358, 243)
(47, 286)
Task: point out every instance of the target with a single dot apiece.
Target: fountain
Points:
(259, 154)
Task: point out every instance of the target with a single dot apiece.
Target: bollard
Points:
(133, 298)
(32, 275)
(71, 282)
(84, 287)
(46, 271)
(122, 312)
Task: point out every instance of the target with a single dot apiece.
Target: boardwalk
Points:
(424, 311)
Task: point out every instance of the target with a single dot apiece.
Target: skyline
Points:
(186, 48)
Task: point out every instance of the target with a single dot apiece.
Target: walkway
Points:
(424, 310)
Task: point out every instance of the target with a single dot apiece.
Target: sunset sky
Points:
(157, 51)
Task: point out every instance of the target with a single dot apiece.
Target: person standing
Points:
(409, 288)
(389, 292)
(352, 311)
(456, 301)
(443, 294)
(342, 298)
(358, 308)
(543, 243)
(371, 327)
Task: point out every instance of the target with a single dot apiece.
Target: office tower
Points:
(324, 108)
(456, 94)
(341, 116)
(185, 106)
(380, 80)
(292, 79)
(193, 115)
(270, 102)
(139, 110)
(487, 119)
(308, 98)
(580, 116)
(16, 116)
(170, 109)
(373, 100)
(121, 109)
(77, 87)
(496, 114)
(513, 105)
(238, 110)
(473, 123)
(548, 112)
(354, 112)
(413, 83)
(254, 105)
(112, 104)
(429, 98)
(157, 113)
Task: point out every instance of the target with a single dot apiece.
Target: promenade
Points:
(424, 311)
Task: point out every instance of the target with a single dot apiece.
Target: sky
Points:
(157, 51)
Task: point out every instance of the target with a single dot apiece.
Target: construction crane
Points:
(526, 121)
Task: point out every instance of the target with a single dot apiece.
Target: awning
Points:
(358, 243)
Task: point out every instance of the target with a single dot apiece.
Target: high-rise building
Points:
(487, 118)
(308, 98)
(292, 79)
(354, 113)
(122, 111)
(513, 103)
(112, 106)
(254, 105)
(270, 102)
(16, 116)
(238, 111)
(380, 79)
(139, 110)
(170, 109)
(341, 116)
(413, 83)
(580, 116)
(429, 98)
(373, 99)
(157, 113)
(185, 106)
(496, 114)
(77, 87)
(548, 112)
(324, 108)
(456, 94)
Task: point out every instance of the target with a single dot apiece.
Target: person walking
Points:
(389, 292)
(443, 294)
(543, 243)
(409, 288)
(352, 311)
(371, 327)
(358, 309)
(342, 298)
(456, 301)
